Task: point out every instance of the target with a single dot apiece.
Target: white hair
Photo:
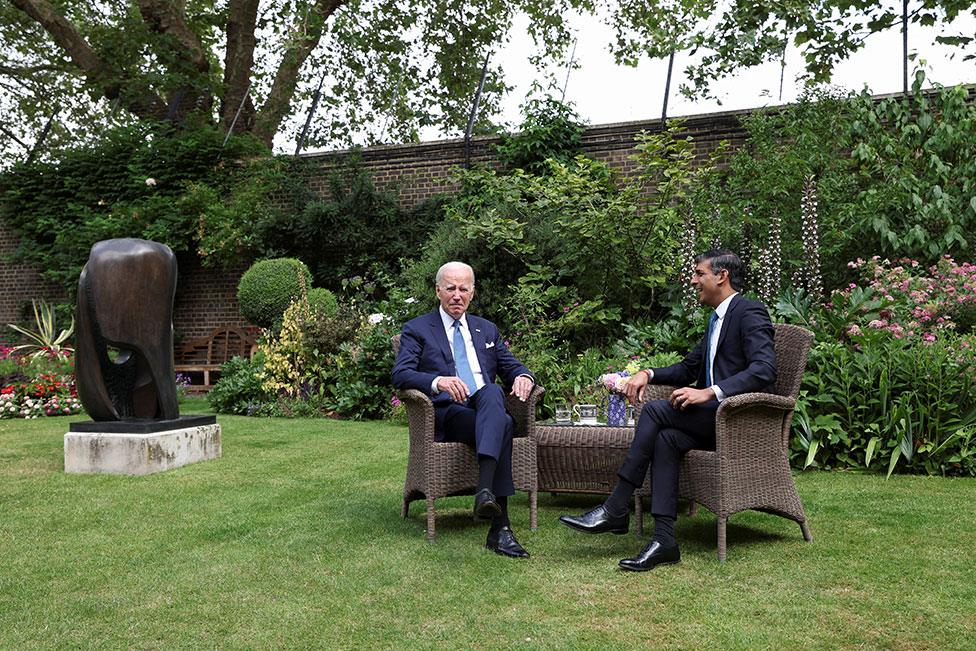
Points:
(453, 265)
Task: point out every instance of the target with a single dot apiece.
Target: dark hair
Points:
(724, 259)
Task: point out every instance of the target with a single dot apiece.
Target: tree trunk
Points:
(238, 65)
(305, 36)
(138, 99)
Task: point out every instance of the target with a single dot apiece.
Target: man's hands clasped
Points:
(458, 390)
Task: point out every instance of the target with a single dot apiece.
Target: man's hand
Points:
(634, 388)
(522, 387)
(455, 386)
(687, 396)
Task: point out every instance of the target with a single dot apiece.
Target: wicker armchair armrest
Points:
(751, 422)
(420, 414)
(524, 412)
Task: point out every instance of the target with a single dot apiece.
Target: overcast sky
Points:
(605, 93)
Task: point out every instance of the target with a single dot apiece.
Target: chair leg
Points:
(721, 539)
(405, 509)
(692, 508)
(639, 515)
(806, 531)
(431, 533)
(533, 510)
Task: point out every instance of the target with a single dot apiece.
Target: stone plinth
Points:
(133, 453)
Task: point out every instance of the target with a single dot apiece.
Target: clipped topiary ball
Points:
(268, 287)
(322, 302)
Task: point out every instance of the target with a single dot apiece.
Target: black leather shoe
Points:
(651, 556)
(597, 521)
(503, 542)
(485, 506)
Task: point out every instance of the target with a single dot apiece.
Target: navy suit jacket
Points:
(745, 358)
(425, 353)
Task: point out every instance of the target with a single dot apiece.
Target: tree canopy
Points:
(384, 68)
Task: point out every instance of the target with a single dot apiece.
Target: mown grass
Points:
(293, 539)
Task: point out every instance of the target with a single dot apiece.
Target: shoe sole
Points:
(505, 554)
(487, 511)
(616, 532)
(646, 569)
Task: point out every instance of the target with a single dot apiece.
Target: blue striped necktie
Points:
(461, 360)
(708, 349)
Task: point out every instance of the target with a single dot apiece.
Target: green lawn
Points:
(293, 539)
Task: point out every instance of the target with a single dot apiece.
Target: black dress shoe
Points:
(503, 542)
(485, 506)
(651, 556)
(598, 521)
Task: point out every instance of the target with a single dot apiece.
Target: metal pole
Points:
(667, 88)
(569, 69)
(311, 112)
(41, 138)
(236, 115)
(904, 45)
(474, 113)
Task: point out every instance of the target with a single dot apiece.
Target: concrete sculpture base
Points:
(130, 453)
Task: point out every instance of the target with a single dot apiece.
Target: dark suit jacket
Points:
(425, 353)
(745, 359)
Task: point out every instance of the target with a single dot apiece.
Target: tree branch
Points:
(305, 37)
(239, 63)
(141, 101)
(164, 17)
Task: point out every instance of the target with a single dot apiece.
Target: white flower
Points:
(410, 300)
(150, 181)
(376, 318)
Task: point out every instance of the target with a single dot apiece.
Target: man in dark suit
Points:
(735, 356)
(454, 358)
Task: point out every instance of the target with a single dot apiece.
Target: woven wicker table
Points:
(584, 459)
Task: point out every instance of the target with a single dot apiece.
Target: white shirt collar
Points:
(448, 320)
(723, 307)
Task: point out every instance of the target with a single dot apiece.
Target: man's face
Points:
(455, 291)
(710, 286)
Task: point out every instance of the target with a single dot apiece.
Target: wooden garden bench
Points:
(206, 354)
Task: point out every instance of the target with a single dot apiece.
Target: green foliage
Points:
(888, 403)
(567, 256)
(239, 389)
(550, 130)
(141, 182)
(322, 302)
(362, 386)
(46, 339)
(915, 160)
(268, 287)
(351, 230)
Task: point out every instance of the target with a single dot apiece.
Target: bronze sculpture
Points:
(124, 321)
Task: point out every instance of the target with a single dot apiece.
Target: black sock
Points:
(664, 530)
(619, 501)
(486, 471)
(502, 520)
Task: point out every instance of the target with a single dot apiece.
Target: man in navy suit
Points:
(454, 358)
(735, 356)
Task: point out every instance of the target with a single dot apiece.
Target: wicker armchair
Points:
(750, 468)
(436, 469)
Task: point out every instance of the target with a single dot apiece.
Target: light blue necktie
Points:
(708, 351)
(461, 360)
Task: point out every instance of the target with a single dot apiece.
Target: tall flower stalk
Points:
(811, 274)
(770, 262)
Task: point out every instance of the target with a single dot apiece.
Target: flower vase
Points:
(617, 410)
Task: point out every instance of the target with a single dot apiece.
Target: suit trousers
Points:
(483, 423)
(662, 437)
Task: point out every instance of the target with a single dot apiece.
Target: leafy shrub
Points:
(322, 302)
(884, 402)
(363, 387)
(268, 287)
(239, 389)
(550, 130)
(132, 182)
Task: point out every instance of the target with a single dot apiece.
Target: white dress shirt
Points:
(473, 362)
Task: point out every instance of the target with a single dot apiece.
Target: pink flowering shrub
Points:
(910, 300)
